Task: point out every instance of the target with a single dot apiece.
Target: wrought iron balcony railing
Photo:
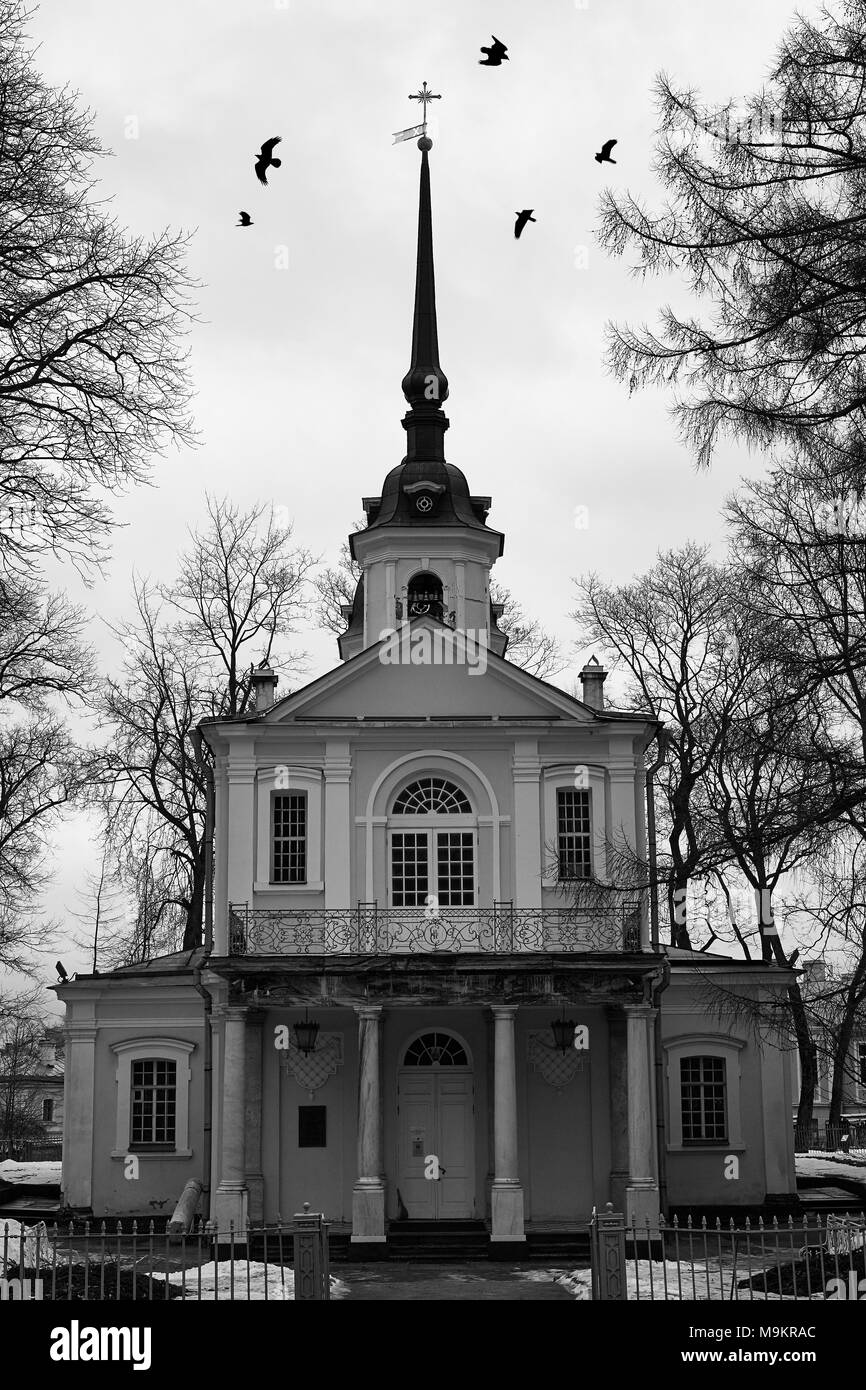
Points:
(370, 930)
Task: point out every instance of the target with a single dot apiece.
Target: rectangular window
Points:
(455, 863)
(704, 1109)
(154, 1103)
(861, 1062)
(290, 838)
(573, 833)
(413, 852)
(48, 1110)
(409, 868)
(312, 1127)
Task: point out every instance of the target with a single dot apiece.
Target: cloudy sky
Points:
(305, 318)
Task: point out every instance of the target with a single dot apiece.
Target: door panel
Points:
(417, 1139)
(436, 1117)
(456, 1149)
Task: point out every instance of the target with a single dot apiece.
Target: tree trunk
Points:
(808, 1052)
(192, 934)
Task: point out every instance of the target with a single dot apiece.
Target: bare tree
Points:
(765, 217)
(672, 629)
(92, 381)
(23, 1024)
(240, 590)
(103, 912)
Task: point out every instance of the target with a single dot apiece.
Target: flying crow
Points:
(246, 220)
(265, 160)
(495, 54)
(604, 156)
(522, 219)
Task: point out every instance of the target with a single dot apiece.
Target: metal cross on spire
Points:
(424, 97)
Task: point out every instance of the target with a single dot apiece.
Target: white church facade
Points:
(401, 1013)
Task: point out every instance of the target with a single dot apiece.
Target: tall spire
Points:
(425, 385)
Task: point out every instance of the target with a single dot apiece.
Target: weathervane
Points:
(424, 96)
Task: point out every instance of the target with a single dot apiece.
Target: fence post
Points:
(608, 1255)
(308, 1251)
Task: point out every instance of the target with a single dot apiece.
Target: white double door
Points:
(436, 1122)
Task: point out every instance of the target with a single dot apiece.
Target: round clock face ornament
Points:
(424, 503)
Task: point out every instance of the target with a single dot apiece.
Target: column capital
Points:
(231, 1013)
(368, 1010)
(639, 1010)
(504, 1010)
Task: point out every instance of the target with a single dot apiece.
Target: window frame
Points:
(703, 1082)
(301, 779)
(50, 1102)
(704, 1045)
(560, 776)
(586, 836)
(431, 824)
(303, 795)
(139, 1049)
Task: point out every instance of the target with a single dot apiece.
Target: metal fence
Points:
(368, 929)
(846, 1138)
(712, 1261)
(84, 1261)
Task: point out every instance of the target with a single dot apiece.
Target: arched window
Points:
(433, 863)
(435, 1050)
(425, 595)
(431, 796)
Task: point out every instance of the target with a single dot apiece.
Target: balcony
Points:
(370, 930)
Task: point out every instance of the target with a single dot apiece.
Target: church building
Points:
(403, 1011)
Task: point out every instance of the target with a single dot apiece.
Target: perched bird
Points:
(60, 970)
(246, 220)
(522, 219)
(604, 156)
(264, 159)
(495, 54)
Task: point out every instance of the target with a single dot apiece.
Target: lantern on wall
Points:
(563, 1032)
(306, 1034)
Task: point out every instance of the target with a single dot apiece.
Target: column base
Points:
(618, 1186)
(231, 1209)
(368, 1215)
(506, 1213)
(642, 1206)
(256, 1189)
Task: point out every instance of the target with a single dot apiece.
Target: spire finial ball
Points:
(425, 143)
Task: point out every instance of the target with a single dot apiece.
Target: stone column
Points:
(506, 1193)
(642, 1193)
(338, 772)
(368, 1196)
(78, 1086)
(528, 852)
(618, 1070)
(231, 1196)
(253, 1175)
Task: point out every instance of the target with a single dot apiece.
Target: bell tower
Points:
(427, 549)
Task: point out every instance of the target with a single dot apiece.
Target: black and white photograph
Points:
(432, 673)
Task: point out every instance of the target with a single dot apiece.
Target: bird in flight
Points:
(604, 156)
(495, 54)
(265, 159)
(60, 970)
(522, 219)
(246, 220)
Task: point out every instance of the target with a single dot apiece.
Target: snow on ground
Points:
(10, 1244)
(646, 1282)
(831, 1166)
(30, 1174)
(280, 1282)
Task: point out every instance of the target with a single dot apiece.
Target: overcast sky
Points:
(297, 371)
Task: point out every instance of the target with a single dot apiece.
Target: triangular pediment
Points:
(426, 669)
